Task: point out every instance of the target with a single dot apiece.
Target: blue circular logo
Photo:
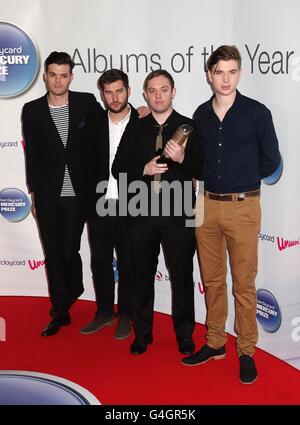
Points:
(33, 388)
(18, 60)
(115, 269)
(268, 312)
(273, 178)
(14, 204)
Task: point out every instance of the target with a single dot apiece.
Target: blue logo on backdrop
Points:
(273, 178)
(33, 388)
(115, 269)
(18, 60)
(14, 204)
(268, 313)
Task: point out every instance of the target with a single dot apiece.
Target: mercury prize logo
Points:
(35, 388)
(115, 269)
(268, 312)
(19, 60)
(273, 178)
(14, 204)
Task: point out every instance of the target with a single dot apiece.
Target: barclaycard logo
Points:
(19, 61)
(34, 388)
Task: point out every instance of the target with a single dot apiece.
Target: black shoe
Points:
(53, 327)
(98, 323)
(186, 346)
(123, 329)
(248, 372)
(140, 347)
(203, 355)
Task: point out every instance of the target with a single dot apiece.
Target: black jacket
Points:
(46, 156)
(98, 154)
(137, 148)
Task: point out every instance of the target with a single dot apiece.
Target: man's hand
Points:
(143, 111)
(174, 151)
(152, 167)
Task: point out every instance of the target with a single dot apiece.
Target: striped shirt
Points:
(60, 116)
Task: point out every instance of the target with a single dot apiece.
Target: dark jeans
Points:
(60, 232)
(105, 234)
(179, 247)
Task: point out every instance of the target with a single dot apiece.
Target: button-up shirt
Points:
(116, 131)
(241, 149)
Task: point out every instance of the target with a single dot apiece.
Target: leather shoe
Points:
(186, 346)
(139, 347)
(53, 327)
(248, 372)
(205, 354)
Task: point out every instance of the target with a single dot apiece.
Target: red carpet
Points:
(105, 367)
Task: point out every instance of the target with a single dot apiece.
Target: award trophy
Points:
(180, 136)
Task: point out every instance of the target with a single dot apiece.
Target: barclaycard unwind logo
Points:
(19, 60)
(14, 204)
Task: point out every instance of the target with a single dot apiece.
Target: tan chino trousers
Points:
(233, 227)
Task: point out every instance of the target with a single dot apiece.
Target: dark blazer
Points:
(99, 152)
(137, 148)
(46, 156)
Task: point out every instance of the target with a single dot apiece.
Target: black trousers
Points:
(60, 232)
(179, 247)
(105, 234)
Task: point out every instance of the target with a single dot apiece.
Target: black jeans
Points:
(105, 234)
(179, 247)
(60, 232)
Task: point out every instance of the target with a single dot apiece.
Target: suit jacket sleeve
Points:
(30, 138)
(193, 158)
(126, 159)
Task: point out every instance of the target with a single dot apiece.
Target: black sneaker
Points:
(205, 354)
(98, 323)
(248, 372)
(123, 329)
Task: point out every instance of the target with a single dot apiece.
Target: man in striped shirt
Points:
(55, 138)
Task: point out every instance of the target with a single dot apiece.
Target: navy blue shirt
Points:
(240, 150)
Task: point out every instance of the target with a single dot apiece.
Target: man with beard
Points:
(107, 230)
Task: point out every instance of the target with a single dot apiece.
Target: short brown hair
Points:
(111, 76)
(224, 53)
(158, 73)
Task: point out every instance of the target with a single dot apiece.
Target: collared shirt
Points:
(116, 131)
(240, 150)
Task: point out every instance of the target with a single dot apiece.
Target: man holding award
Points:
(152, 158)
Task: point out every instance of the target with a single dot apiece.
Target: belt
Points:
(231, 196)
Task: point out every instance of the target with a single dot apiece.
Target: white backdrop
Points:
(141, 35)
